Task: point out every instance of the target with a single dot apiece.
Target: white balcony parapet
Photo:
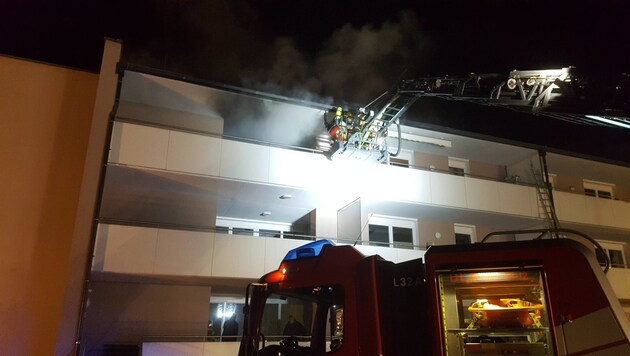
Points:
(189, 153)
(150, 251)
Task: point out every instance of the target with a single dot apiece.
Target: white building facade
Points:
(206, 188)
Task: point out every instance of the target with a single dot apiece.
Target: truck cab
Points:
(342, 298)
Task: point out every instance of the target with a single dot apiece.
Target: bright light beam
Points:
(609, 121)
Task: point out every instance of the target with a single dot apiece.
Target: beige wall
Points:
(425, 161)
(45, 119)
(566, 182)
(486, 170)
(428, 230)
(622, 193)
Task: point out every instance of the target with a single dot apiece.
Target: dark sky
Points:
(330, 48)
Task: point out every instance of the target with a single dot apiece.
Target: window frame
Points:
(464, 229)
(318, 326)
(459, 164)
(598, 188)
(403, 155)
(256, 226)
(615, 246)
(391, 222)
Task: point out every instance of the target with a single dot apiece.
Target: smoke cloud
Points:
(360, 63)
(354, 65)
(227, 41)
(269, 121)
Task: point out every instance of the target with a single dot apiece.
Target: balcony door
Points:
(387, 231)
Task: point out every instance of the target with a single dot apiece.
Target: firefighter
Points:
(294, 328)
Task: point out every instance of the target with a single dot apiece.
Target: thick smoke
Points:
(270, 121)
(289, 73)
(226, 41)
(354, 65)
(357, 64)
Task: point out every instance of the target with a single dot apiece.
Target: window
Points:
(462, 239)
(458, 166)
(398, 162)
(222, 229)
(269, 233)
(225, 322)
(312, 318)
(616, 258)
(403, 159)
(598, 189)
(464, 234)
(392, 232)
(244, 227)
(379, 234)
(402, 236)
(242, 231)
(615, 252)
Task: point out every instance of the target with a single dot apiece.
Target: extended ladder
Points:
(389, 113)
(546, 207)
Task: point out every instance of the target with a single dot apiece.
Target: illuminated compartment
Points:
(494, 313)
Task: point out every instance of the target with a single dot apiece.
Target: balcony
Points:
(156, 149)
(154, 251)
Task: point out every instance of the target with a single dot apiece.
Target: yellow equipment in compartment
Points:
(504, 313)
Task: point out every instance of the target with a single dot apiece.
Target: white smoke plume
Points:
(359, 63)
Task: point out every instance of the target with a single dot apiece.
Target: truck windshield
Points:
(303, 321)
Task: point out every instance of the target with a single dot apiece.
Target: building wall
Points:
(576, 185)
(143, 309)
(143, 148)
(523, 170)
(46, 116)
(423, 160)
(325, 223)
(622, 193)
(486, 170)
(570, 184)
(45, 135)
(426, 160)
(436, 233)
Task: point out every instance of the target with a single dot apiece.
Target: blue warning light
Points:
(312, 249)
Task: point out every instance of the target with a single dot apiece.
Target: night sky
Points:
(327, 47)
(341, 51)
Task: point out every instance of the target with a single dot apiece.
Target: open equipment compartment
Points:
(495, 312)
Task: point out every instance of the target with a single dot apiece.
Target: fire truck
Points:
(533, 297)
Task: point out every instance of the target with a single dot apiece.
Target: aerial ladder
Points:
(544, 192)
(556, 93)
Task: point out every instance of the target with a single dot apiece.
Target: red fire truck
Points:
(536, 297)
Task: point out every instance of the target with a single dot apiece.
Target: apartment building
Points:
(205, 187)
